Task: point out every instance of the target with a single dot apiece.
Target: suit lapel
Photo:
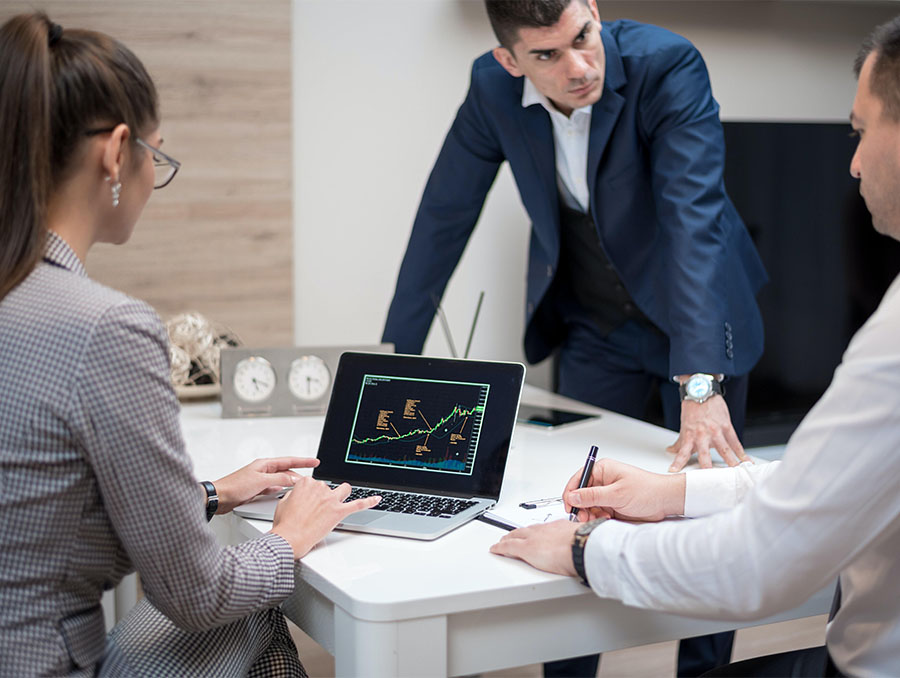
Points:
(538, 134)
(606, 112)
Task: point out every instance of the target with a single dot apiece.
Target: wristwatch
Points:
(212, 499)
(700, 387)
(579, 542)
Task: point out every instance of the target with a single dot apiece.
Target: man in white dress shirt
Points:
(772, 535)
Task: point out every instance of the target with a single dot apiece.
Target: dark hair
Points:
(884, 42)
(508, 16)
(55, 84)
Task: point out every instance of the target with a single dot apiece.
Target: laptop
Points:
(430, 435)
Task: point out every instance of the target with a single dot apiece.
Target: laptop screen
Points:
(420, 424)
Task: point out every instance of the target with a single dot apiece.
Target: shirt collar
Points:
(58, 253)
(531, 96)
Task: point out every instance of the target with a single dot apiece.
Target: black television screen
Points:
(828, 267)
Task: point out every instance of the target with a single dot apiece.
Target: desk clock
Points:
(281, 381)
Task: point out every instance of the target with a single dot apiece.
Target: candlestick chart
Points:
(418, 424)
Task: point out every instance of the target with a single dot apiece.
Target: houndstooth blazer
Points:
(95, 482)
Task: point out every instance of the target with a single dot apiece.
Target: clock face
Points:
(254, 379)
(697, 387)
(309, 378)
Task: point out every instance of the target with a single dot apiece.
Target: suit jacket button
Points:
(530, 308)
(549, 271)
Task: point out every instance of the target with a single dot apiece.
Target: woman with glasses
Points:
(94, 479)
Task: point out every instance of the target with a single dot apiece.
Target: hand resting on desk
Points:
(616, 490)
(706, 425)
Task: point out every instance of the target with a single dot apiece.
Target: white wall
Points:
(376, 86)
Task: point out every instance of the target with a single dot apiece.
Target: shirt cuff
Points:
(601, 557)
(283, 581)
(710, 491)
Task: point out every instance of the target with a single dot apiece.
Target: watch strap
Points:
(579, 541)
(212, 499)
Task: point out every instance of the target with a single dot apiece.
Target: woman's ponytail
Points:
(25, 144)
(55, 85)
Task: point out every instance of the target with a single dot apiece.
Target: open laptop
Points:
(430, 435)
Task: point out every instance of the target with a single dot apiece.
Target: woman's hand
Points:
(311, 510)
(262, 476)
(618, 490)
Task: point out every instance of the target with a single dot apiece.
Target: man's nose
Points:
(855, 165)
(576, 65)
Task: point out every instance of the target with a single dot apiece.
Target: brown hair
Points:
(508, 16)
(55, 85)
(884, 42)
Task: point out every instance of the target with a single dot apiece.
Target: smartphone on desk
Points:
(550, 417)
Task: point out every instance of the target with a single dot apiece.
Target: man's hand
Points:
(311, 510)
(705, 425)
(547, 546)
(261, 476)
(619, 490)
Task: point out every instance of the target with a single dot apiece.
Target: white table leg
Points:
(414, 648)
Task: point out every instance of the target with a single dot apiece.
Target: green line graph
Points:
(457, 412)
(418, 424)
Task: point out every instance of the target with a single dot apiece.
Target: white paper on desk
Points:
(520, 517)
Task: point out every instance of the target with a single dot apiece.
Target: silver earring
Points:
(116, 189)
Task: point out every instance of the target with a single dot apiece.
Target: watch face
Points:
(309, 378)
(254, 379)
(698, 388)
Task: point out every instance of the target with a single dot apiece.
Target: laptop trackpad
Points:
(363, 518)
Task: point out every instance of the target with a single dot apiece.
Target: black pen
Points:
(585, 477)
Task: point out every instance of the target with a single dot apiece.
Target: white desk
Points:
(395, 607)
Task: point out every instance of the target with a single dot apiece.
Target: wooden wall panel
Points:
(218, 239)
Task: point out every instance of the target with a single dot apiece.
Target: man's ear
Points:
(506, 59)
(114, 151)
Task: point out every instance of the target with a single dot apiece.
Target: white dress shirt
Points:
(570, 141)
(832, 506)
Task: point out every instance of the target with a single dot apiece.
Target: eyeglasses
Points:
(165, 167)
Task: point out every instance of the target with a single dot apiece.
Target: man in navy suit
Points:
(640, 270)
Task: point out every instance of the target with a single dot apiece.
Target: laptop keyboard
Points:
(419, 504)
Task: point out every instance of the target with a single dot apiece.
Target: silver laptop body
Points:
(431, 435)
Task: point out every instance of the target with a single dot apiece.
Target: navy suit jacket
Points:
(655, 162)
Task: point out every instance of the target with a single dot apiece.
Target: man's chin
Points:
(589, 99)
(883, 227)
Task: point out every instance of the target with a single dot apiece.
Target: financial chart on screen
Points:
(419, 424)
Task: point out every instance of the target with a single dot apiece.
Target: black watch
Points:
(579, 542)
(212, 499)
